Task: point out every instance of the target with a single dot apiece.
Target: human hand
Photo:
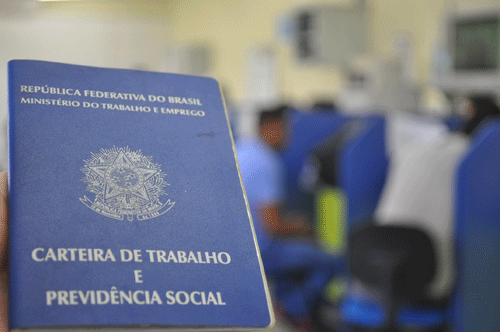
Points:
(4, 326)
(302, 222)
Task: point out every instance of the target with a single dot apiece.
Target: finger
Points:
(3, 253)
(3, 219)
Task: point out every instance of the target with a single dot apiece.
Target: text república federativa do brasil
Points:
(190, 106)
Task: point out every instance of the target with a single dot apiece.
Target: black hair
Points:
(326, 106)
(485, 109)
(277, 114)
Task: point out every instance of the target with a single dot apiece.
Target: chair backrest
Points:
(390, 268)
(476, 303)
(400, 255)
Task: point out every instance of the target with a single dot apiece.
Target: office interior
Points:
(376, 77)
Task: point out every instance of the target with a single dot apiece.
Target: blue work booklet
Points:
(126, 207)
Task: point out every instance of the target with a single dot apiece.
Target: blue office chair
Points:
(390, 266)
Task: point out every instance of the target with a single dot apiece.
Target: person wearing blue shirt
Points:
(299, 269)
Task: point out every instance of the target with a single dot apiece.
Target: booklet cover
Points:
(126, 207)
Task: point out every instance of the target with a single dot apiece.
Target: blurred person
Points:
(300, 270)
(479, 109)
(324, 106)
(420, 189)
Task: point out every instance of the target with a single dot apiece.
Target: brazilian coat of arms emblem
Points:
(125, 183)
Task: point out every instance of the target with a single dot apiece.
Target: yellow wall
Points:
(109, 9)
(420, 20)
(234, 26)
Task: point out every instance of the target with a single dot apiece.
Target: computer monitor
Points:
(476, 43)
(472, 46)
